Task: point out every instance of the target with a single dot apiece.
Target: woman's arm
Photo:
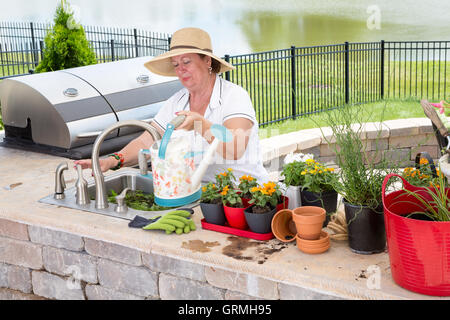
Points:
(239, 127)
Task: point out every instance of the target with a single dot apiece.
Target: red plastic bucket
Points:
(419, 251)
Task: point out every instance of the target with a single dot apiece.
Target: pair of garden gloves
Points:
(178, 221)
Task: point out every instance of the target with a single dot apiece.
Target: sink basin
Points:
(125, 178)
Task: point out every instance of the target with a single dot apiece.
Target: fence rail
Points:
(283, 84)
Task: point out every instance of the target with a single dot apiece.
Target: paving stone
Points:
(402, 127)
(234, 295)
(113, 252)
(434, 152)
(68, 263)
(9, 294)
(290, 292)
(54, 287)
(15, 277)
(14, 230)
(246, 283)
(21, 253)
(410, 141)
(175, 288)
(128, 279)
(96, 292)
(176, 267)
(57, 239)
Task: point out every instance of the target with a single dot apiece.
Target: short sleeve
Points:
(237, 103)
(167, 111)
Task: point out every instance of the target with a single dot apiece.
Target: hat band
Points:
(189, 47)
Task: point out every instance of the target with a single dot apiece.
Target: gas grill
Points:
(62, 112)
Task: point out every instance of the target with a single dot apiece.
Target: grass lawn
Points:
(373, 112)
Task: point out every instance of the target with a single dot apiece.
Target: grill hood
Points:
(59, 112)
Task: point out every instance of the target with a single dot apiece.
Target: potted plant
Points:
(233, 208)
(418, 228)
(293, 179)
(211, 204)
(263, 206)
(360, 179)
(246, 182)
(318, 187)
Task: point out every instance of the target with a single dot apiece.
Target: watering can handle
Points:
(173, 124)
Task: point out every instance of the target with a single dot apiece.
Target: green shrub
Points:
(66, 45)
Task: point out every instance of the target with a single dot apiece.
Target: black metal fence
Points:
(288, 83)
(283, 84)
(21, 45)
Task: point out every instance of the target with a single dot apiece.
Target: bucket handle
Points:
(406, 185)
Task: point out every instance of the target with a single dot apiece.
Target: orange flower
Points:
(225, 191)
(423, 161)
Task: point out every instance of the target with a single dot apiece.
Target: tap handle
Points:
(60, 183)
(121, 206)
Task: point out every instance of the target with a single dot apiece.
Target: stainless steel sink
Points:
(125, 178)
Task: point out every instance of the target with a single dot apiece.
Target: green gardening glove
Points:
(173, 221)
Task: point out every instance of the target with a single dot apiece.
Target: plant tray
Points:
(237, 232)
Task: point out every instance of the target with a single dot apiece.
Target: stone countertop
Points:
(26, 177)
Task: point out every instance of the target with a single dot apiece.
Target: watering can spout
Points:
(221, 134)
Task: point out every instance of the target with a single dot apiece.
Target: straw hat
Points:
(187, 40)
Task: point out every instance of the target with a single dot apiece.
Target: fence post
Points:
(347, 73)
(41, 47)
(227, 74)
(33, 44)
(112, 50)
(293, 84)
(169, 40)
(382, 70)
(136, 43)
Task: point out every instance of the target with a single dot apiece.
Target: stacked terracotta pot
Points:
(304, 224)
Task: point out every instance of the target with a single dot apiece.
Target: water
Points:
(244, 26)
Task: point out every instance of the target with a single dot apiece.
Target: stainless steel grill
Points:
(61, 112)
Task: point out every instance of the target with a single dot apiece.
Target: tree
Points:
(66, 45)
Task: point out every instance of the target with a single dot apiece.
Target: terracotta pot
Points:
(309, 221)
(259, 222)
(235, 217)
(283, 227)
(213, 213)
(314, 246)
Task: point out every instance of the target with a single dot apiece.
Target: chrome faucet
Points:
(101, 199)
(60, 183)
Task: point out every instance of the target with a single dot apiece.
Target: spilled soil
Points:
(199, 245)
(249, 250)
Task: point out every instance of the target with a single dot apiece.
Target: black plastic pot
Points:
(326, 200)
(259, 222)
(213, 213)
(366, 231)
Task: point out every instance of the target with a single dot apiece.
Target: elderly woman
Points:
(206, 99)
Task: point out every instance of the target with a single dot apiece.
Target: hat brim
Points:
(163, 66)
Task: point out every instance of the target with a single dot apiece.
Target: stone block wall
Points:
(395, 140)
(40, 263)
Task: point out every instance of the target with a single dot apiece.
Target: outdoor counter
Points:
(60, 253)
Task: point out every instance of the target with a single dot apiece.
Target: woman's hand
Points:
(105, 164)
(193, 121)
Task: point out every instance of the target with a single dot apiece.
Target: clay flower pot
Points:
(314, 246)
(213, 213)
(309, 221)
(283, 227)
(259, 222)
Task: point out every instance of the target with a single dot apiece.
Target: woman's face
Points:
(191, 69)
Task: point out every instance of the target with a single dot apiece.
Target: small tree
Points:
(66, 45)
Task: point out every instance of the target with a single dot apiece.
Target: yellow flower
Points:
(331, 169)
(229, 169)
(225, 191)
(254, 189)
(204, 189)
(303, 172)
(423, 161)
(310, 161)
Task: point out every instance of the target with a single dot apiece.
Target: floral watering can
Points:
(176, 180)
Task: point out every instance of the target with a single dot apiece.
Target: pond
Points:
(244, 26)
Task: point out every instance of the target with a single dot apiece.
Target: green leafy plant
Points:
(360, 179)
(265, 197)
(438, 209)
(317, 177)
(210, 194)
(247, 182)
(226, 178)
(231, 197)
(292, 173)
(423, 175)
(138, 200)
(66, 45)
